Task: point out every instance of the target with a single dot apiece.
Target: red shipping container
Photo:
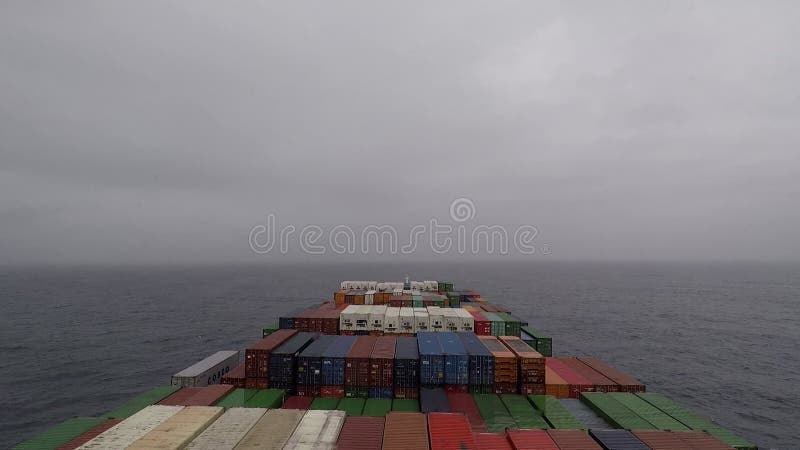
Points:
(598, 380)
(449, 431)
(626, 383)
(256, 383)
(381, 371)
(483, 327)
(491, 441)
(331, 391)
(505, 361)
(297, 402)
(361, 433)
(89, 435)
(530, 362)
(465, 404)
(573, 440)
(235, 377)
(531, 440)
(256, 357)
(357, 363)
(405, 431)
(209, 395)
(456, 388)
(701, 440)
(662, 440)
(180, 397)
(406, 392)
(576, 382)
(554, 384)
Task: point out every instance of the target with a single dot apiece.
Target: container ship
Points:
(409, 365)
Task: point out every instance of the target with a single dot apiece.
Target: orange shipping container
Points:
(405, 431)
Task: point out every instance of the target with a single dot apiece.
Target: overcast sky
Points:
(164, 131)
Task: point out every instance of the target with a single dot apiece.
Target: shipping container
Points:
(660, 440)
(483, 326)
(297, 402)
(198, 396)
(659, 419)
(87, 436)
(405, 431)
(256, 357)
(377, 407)
(615, 412)
(702, 440)
(333, 361)
(531, 440)
(491, 441)
(266, 398)
(406, 363)
(617, 440)
(497, 323)
(228, 430)
(357, 364)
(377, 318)
(584, 414)
(352, 406)
(494, 413)
(405, 405)
(456, 362)
(626, 383)
(433, 400)
(435, 319)
(286, 321)
(407, 323)
(283, 361)
(573, 440)
(600, 382)
(523, 413)
(431, 359)
(448, 431)
(324, 404)
(381, 367)
(331, 391)
(236, 398)
(577, 383)
(512, 325)
(530, 364)
(317, 430)
(464, 404)
(308, 375)
(141, 401)
(272, 431)
(128, 431)
(391, 321)
(236, 377)
(177, 431)
(505, 363)
(554, 384)
(467, 321)
(361, 433)
(421, 320)
(209, 370)
(555, 413)
(61, 433)
(481, 362)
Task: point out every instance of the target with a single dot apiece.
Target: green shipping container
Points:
(266, 398)
(324, 403)
(352, 406)
(237, 398)
(542, 343)
(60, 434)
(377, 407)
(695, 421)
(497, 323)
(615, 412)
(523, 413)
(266, 331)
(141, 401)
(555, 413)
(405, 405)
(512, 325)
(648, 412)
(494, 413)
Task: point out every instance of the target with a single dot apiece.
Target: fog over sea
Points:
(719, 338)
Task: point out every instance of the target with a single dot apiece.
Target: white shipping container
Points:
(391, 322)
(228, 430)
(431, 286)
(376, 317)
(317, 430)
(125, 433)
(435, 318)
(407, 323)
(452, 322)
(347, 321)
(467, 321)
(369, 297)
(208, 371)
(180, 429)
(272, 431)
(397, 292)
(361, 317)
(421, 320)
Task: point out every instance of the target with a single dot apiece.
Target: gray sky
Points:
(164, 131)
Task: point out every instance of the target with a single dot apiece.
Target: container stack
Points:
(381, 370)
(531, 366)
(283, 361)
(309, 366)
(406, 368)
(481, 364)
(456, 362)
(431, 360)
(333, 366)
(256, 358)
(505, 366)
(357, 367)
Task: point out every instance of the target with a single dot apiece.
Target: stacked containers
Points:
(464, 404)
(450, 432)
(435, 318)
(317, 430)
(256, 358)
(421, 320)
(431, 359)
(497, 323)
(531, 440)
(481, 364)
(272, 431)
(523, 412)
(347, 319)
(357, 367)
(309, 366)
(615, 412)
(236, 377)
(573, 440)
(333, 363)
(554, 384)
(576, 382)
(228, 430)
(626, 383)
(531, 366)
(511, 324)
(554, 412)
(406, 368)
(433, 400)
(381, 371)
(283, 361)
(208, 371)
(494, 413)
(361, 433)
(134, 427)
(467, 321)
(377, 315)
(452, 322)
(177, 431)
(391, 322)
(617, 440)
(456, 362)
(543, 344)
(599, 382)
(505, 365)
(85, 437)
(405, 431)
(407, 321)
(483, 326)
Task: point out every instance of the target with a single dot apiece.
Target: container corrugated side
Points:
(702, 440)
(433, 400)
(648, 412)
(492, 441)
(361, 433)
(584, 414)
(659, 440)
(523, 413)
(555, 413)
(266, 398)
(456, 359)
(352, 406)
(61, 433)
(573, 440)
(333, 361)
(317, 430)
(625, 382)
(324, 403)
(431, 359)
(405, 431)
(377, 407)
(405, 405)
(494, 413)
(449, 431)
(228, 430)
(236, 398)
(465, 404)
(531, 440)
(256, 356)
(177, 431)
(481, 362)
(131, 429)
(615, 412)
(617, 440)
(141, 401)
(272, 431)
(209, 370)
(283, 361)
(600, 382)
(89, 435)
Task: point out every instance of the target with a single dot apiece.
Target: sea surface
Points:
(723, 339)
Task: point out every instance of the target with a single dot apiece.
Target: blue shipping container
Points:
(333, 361)
(309, 361)
(481, 362)
(431, 359)
(406, 362)
(433, 400)
(456, 361)
(381, 392)
(617, 440)
(283, 361)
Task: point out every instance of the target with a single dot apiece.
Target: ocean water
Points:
(720, 338)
